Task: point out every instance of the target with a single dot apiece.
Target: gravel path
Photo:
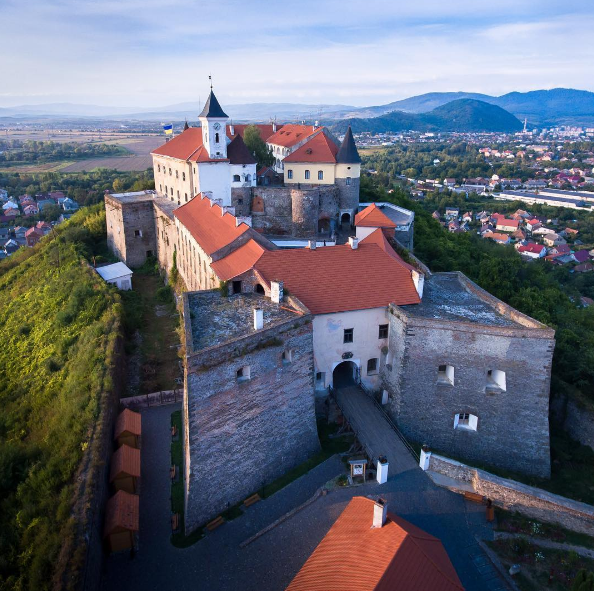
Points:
(581, 550)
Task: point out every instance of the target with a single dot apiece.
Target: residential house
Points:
(467, 217)
(497, 237)
(536, 184)
(435, 215)
(33, 236)
(581, 256)
(44, 203)
(542, 231)
(19, 232)
(69, 204)
(449, 182)
(584, 268)
(553, 239)
(10, 246)
(452, 212)
(486, 228)
(561, 249)
(519, 235)
(532, 250)
(44, 227)
(31, 209)
(571, 232)
(506, 225)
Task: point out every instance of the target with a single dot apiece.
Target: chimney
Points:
(258, 318)
(354, 242)
(276, 291)
(232, 129)
(274, 127)
(312, 245)
(380, 512)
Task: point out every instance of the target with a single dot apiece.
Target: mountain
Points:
(465, 115)
(559, 106)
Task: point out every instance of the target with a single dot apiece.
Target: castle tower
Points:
(348, 172)
(214, 126)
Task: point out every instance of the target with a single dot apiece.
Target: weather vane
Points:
(210, 78)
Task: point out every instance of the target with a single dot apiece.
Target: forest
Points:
(60, 324)
(38, 152)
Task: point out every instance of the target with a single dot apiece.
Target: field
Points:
(139, 146)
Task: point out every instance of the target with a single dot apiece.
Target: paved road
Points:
(216, 563)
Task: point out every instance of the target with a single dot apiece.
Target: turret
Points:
(348, 171)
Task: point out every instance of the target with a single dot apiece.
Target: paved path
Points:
(217, 563)
(581, 550)
(374, 431)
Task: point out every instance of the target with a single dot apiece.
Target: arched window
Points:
(248, 178)
(236, 178)
(306, 174)
(216, 138)
(320, 175)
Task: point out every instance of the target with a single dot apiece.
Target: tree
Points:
(118, 185)
(257, 146)
(584, 581)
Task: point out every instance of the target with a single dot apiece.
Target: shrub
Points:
(164, 294)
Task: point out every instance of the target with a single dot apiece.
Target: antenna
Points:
(525, 122)
(210, 78)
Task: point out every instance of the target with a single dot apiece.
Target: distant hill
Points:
(559, 106)
(464, 115)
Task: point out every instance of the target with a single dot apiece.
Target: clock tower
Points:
(214, 128)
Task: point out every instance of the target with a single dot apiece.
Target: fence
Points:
(160, 398)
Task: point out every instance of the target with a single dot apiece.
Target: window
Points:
(372, 366)
(465, 421)
(236, 284)
(348, 335)
(383, 331)
(170, 172)
(166, 190)
(158, 168)
(248, 178)
(236, 178)
(186, 196)
(178, 195)
(240, 201)
(287, 356)
(289, 174)
(306, 174)
(445, 374)
(172, 191)
(243, 374)
(183, 176)
(138, 233)
(176, 174)
(149, 253)
(348, 180)
(216, 138)
(320, 175)
(160, 188)
(496, 380)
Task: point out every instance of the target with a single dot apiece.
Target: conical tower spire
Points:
(186, 126)
(212, 108)
(347, 153)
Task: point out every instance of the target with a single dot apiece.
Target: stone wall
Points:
(514, 496)
(349, 194)
(513, 427)
(247, 433)
(167, 238)
(130, 229)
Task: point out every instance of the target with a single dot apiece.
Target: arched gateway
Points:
(345, 374)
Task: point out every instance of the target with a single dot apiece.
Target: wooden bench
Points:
(474, 497)
(173, 472)
(215, 523)
(251, 500)
(175, 522)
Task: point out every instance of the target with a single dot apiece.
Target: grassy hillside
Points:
(464, 115)
(59, 323)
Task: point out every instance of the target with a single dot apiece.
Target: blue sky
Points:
(142, 53)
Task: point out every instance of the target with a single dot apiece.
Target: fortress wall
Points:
(513, 428)
(244, 434)
(166, 237)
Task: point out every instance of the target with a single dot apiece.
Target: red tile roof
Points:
(502, 222)
(531, 247)
(202, 155)
(122, 512)
(182, 146)
(125, 460)
(337, 278)
(291, 134)
(265, 130)
(354, 556)
(320, 148)
(373, 217)
(239, 261)
(128, 421)
(208, 225)
(378, 237)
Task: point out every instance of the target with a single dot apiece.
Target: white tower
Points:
(214, 128)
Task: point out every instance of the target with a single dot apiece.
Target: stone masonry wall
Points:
(515, 496)
(130, 230)
(349, 194)
(579, 422)
(513, 428)
(166, 233)
(243, 434)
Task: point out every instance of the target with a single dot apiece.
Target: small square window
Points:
(243, 373)
(287, 356)
(445, 374)
(372, 366)
(348, 335)
(240, 202)
(383, 331)
(465, 421)
(138, 233)
(496, 380)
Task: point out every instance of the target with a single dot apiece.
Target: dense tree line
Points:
(30, 151)
(86, 188)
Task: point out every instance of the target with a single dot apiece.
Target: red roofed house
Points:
(497, 237)
(33, 236)
(506, 225)
(289, 138)
(121, 521)
(532, 250)
(369, 549)
(372, 218)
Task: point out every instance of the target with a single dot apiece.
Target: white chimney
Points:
(258, 318)
(274, 127)
(380, 512)
(312, 245)
(276, 291)
(232, 129)
(354, 242)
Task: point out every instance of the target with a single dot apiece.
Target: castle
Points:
(280, 307)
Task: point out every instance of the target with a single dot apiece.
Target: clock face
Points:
(217, 126)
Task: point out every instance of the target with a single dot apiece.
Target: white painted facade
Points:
(213, 179)
(243, 175)
(363, 232)
(329, 346)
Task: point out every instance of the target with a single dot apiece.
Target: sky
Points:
(144, 53)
